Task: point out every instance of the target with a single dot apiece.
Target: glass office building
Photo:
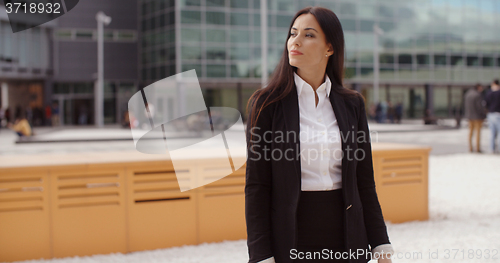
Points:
(430, 52)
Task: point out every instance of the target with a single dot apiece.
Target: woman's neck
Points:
(313, 78)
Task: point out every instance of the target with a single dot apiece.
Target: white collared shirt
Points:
(320, 142)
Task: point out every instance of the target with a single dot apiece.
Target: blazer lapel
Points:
(290, 108)
(340, 112)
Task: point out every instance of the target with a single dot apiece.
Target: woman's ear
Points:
(330, 50)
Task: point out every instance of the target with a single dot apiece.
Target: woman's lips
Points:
(295, 52)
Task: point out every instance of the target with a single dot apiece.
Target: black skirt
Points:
(320, 219)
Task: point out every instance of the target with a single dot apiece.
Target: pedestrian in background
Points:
(493, 116)
(55, 114)
(21, 126)
(475, 112)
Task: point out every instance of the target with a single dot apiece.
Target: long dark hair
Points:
(282, 82)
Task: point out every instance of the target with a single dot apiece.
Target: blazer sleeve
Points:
(372, 213)
(258, 189)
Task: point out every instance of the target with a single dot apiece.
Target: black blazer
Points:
(273, 185)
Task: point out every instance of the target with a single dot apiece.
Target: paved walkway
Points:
(444, 138)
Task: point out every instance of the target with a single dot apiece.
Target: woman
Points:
(313, 198)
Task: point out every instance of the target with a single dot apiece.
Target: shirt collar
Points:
(300, 83)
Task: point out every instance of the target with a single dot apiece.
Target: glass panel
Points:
(347, 9)
(240, 36)
(216, 53)
(285, 5)
(366, 11)
(216, 18)
(405, 59)
(240, 70)
(456, 60)
(238, 4)
(239, 19)
(348, 24)
(386, 11)
(216, 2)
(190, 52)
(216, 71)
(191, 17)
(87, 88)
(61, 88)
(63, 34)
(472, 61)
(238, 53)
(191, 34)
(487, 62)
(283, 20)
(216, 35)
(82, 34)
(191, 2)
(423, 59)
(387, 58)
(366, 25)
(256, 20)
(439, 59)
(256, 37)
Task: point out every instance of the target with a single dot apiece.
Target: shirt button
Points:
(319, 119)
(325, 151)
(322, 133)
(324, 172)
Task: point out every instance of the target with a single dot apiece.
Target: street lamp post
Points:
(102, 20)
(263, 41)
(376, 64)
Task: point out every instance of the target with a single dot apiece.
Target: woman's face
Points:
(307, 44)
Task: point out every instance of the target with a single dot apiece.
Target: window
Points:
(216, 18)
(191, 52)
(283, 21)
(240, 36)
(191, 35)
(423, 59)
(405, 59)
(80, 34)
(216, 35)
(191, 17)
(348, 24)
(456, 60)
(239, 4)
(216, 53)
(487, 62)
(239, 19)
(440, 60)
(220, 3)
(240, 53)
(216, 71)
(472, 61)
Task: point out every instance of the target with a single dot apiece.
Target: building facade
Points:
(58, 61)
(430, 52)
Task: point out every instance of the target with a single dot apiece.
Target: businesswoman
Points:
(310, 192)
